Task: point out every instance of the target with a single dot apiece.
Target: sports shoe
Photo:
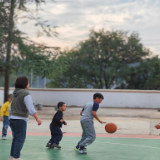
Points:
(82, 151)
(3, 138)
(10, 158)
(55, 145)
(48, 145)
(77, 149)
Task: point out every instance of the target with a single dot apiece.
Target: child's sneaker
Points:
(82, 151)
(55, 145)
(3, 138)
(48, 145)
(77, 149)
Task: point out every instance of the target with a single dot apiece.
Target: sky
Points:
(75, 18)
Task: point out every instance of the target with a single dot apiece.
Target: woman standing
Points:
(21, 107)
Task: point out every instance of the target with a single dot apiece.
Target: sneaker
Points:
(10, 158)
(55, 145)
(48, 145)
(3, 138)
(82, 151)
(77, 149)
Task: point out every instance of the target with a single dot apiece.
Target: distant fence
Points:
(79, 97)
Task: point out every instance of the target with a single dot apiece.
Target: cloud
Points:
(75, 18)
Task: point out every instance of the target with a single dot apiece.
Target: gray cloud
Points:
(75, 18)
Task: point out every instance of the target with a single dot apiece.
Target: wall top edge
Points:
(89, 90)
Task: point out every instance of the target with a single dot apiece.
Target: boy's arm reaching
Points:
(59, 118)
(82, 111)
(1, 118)
(62, 121)
(96, 117)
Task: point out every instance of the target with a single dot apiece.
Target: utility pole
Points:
(44, 82)
(31, 77)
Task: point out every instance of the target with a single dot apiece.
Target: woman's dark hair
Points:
(99, 95)
(21, 82)
(60, 104)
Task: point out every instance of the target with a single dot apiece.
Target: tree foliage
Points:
(17, 51)
(98, 62)
(145, 75)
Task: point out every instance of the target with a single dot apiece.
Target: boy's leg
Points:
(5, 126)
(83, 136)
(52, 140)
(58, 134)
(57, 137)
(90, 133)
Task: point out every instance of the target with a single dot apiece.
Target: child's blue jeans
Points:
(19, 128)
(5, 126)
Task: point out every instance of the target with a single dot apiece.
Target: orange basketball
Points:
(110, 127)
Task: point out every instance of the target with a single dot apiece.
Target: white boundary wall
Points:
(79, 97)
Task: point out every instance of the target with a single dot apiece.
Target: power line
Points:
(152, 40)
(152, 44)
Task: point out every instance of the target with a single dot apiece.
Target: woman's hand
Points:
(39, 121)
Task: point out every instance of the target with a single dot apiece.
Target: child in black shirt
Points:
(55, 127)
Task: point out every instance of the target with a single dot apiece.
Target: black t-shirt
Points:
(56, 119)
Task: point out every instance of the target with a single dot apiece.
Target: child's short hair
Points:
(99, 95)
(10, 96)
(60, 104)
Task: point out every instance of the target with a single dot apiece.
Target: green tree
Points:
(98, 61)
(14, 40)
(145, 75)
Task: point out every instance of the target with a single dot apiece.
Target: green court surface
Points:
(102, 149)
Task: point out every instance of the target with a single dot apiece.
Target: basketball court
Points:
(106, 146)
(126, 144)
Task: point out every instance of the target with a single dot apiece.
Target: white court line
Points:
(128, 145)
(107, 143)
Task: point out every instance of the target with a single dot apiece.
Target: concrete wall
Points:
(79, 97)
